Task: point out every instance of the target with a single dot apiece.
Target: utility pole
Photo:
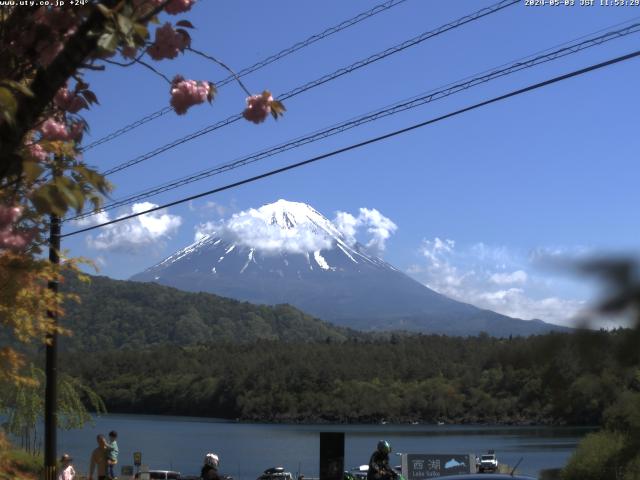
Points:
(51, 368)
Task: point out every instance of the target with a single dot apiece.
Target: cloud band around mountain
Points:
(308, 232)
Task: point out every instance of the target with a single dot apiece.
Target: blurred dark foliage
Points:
(614, 452)
(620, 278)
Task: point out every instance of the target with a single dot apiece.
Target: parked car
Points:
(162, 475)
(275, 473)
(489, 476)
(488, 463)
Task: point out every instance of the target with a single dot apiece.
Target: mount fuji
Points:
(287, 252)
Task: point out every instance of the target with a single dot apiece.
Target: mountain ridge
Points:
(120, 314)
(287, 252)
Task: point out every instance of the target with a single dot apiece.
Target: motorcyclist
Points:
(379, 468)
(210, 468)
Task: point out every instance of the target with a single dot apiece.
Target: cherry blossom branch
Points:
(88, 66)
(215, 60)
(132, 62)
(144, 64)
(154, 12)
(44, 86)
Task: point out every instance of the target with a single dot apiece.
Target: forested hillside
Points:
(555, 378)
(129, 315)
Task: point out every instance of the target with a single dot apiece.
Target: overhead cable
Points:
(320, 81)
(256, 66)
(407, 104)
(394, 133)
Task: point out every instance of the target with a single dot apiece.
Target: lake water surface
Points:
(246, 449)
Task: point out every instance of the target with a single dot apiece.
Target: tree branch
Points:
(45, 85)
(215, 60)
(144, 64)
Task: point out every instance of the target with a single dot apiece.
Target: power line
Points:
(513, 93)
(433, 95)
(322, 80)
(257, 66)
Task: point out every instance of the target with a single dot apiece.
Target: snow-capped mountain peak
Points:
(294, 216)
(280, 236)
(287, 252)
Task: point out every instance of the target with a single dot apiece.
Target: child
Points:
(66, 469)
(112, 453)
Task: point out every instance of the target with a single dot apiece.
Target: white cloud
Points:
(378, 227)
(255, 228)
(92, 219)
(348, 225)
(518, 277)
(515, 302)
(206, 228)
(495, 278)
(249, 228)
(142, 232)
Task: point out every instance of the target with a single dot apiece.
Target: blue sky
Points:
(480, 201)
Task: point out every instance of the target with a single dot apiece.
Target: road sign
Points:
(137, 458)
(422, 466)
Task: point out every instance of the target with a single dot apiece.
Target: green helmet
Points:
(384, 447)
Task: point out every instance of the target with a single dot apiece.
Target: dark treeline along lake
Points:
(553, 379)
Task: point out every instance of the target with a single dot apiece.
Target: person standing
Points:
(210, 468)
(112, 453)
(98, 460)
(67, 472)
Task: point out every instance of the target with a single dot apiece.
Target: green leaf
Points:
(141, 31)
(32, 170)
(41, 202)
(70, 191)
(125, 24)
(8, 103)
(17, 87)
(277, 109)
(108, 42)
(212, 92)
(107, 12)
(59, 204)
(48, 200)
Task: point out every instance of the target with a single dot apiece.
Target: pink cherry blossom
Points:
(57, 19)
(9, 215)
(10, 238)
(258, 107)
(37, 152)
(53, 130)
(168, 43)
(69, 101)
(186, 93)
(175, 7)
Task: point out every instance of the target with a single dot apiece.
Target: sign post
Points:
(422, 466)
(137, 460)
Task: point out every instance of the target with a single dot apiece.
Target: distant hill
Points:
(325, 275)
(129, 315)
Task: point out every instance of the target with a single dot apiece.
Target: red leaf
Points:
(185, 24)
(90, 96)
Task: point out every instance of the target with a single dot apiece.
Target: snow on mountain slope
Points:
(287, 252)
